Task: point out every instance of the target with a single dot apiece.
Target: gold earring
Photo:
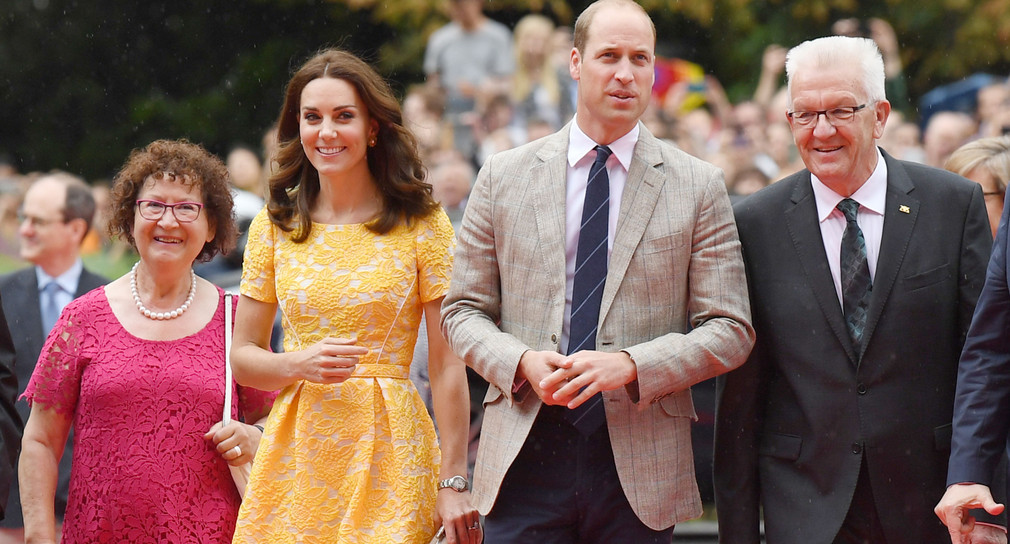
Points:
(371, 143)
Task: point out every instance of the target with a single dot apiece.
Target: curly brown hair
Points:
(186, 163)
(394, 161)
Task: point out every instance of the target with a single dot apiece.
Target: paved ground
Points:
(695, 532)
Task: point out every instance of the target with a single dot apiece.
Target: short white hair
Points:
(839, 50)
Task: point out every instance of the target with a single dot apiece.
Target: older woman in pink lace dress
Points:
(137, 367)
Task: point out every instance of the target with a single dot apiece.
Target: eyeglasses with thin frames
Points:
(184, 212)
(835, 116)
(39, 222)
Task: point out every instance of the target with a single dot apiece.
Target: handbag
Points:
(238, 473)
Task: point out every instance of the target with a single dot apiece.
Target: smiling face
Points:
(166, 240)
(335, 128)
(615, 72)
(844, 156)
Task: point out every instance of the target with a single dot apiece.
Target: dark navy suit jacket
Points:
(982, 401)
(10, 422)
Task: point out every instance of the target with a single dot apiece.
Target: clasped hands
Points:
(953, 510)
(570, 380)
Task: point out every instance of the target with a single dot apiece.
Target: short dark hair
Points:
(80, 204)
(186, 163)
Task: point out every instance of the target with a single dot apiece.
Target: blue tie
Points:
(590, 277)
(50, 306)
(855, 275)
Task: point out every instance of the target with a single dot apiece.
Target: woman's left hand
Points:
(459, 517)
(236, 442)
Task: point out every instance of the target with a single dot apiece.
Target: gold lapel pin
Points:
(904, 209)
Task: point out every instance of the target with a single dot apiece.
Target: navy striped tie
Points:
(855, 275)
(590, 277)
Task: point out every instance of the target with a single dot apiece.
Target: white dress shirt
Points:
(581, 155)
(870, 217)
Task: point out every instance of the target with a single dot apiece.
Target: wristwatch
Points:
(457, 483)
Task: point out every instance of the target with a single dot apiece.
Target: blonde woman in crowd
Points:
(987, 162)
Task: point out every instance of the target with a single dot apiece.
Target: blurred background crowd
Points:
(84, 86)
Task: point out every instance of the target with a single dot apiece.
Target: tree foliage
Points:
(85, 82)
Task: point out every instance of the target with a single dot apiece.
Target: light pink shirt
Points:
(870, 217)
(580, 159)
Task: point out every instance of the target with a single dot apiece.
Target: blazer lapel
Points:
(900, 212)
(546, 183)
(805, 233)
(641, 192)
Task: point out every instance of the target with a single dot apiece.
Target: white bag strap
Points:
(226, 418)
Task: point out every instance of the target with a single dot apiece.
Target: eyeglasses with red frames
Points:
(184, 212)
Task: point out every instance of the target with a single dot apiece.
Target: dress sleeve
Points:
(258, 261)
(254, 401)
(436, 243)
(56, 381)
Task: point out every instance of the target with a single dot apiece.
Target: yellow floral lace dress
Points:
(356, 461)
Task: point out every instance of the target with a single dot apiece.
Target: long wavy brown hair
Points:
(394, 161)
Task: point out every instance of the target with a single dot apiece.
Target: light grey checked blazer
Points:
(675, 300)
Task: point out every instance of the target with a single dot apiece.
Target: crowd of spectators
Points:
(489, 88)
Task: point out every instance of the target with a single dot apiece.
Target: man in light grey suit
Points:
(672, 308)
(55, 217)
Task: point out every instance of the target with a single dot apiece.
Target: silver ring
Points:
(238, 452)
(475, 526)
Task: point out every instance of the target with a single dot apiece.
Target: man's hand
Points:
(534, 366)
(581, 375)
(953, 511)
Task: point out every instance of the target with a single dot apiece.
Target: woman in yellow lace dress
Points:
(354, 251)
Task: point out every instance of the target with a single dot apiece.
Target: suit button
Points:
(554, 338)
(861, 389)
(857, 448)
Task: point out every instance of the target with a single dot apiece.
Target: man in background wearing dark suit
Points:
(55, 217)
(863, 273)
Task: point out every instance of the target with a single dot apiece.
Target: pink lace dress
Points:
(142, 471)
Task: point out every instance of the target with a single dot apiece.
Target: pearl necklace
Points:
(161, 315)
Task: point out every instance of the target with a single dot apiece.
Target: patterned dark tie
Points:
(590, 277)
(855, 275)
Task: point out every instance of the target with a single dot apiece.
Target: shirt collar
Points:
(872, 195)
(68, 280)
(579, 145)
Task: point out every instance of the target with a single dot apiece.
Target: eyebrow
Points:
(335, 108)
(613, 47)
